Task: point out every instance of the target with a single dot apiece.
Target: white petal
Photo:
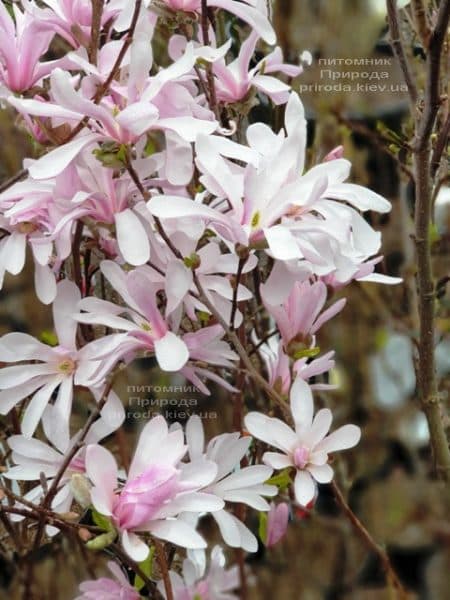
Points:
(132, 238)
(171, 352)
(341, 439)
(54, 162)
(321, 473)
(302, 404)
(277, 460)
(36, 407)
(101, 467)
(134, 546)
(272, 431)
(177, 284)
(178, 532)
(305, 488)
(65, 305)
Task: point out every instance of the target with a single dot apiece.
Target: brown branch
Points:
(432, 100)
(131, 564)
(399, 51)
(162, 562)
(440, 146)
(212, 96)
(365, 536)
(48, 498)
(12, 180)
(97, 12)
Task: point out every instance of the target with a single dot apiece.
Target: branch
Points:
(399, 51)
(212, 96)
(432, 99)
(365, 536)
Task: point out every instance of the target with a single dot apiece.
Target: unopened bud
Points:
(81, 489)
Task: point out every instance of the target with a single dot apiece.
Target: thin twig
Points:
(370, 542)
(397, 45)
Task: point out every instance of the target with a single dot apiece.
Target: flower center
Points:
(26, 227)
(301, 457)
(256, 219)
(67, 366)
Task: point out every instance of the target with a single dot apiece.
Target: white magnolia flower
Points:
(307, 447)
(199, 582)
(232, 484)
(58, 370)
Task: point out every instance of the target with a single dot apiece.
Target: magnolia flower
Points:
(299, 317)
(60, 367)
(234, 81)
(277, 522)
(123, 124)
(158, 488)
(33, 459)
(13, 247)
(22, 43)
(255, 16)
(145, 329)
(271, 203)
(201, 582)
(232, 484)
(106, 588)
(307, 447)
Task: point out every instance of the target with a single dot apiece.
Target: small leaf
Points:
(147, 568)
(102, 541)
(262, 528)
(102, 521)
(282, 480)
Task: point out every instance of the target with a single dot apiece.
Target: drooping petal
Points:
(178, 532)
(132, 238)
(136, 548)
(305, 488)
(171, 352)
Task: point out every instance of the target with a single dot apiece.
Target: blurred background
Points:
(392, 490)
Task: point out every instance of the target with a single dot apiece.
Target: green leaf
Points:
(102, 541)
(282, 479)
(306, 353)
(433, 233)
(147, 568)
(262, 528)
(102, 521)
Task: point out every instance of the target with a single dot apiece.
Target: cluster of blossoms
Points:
(159, 225)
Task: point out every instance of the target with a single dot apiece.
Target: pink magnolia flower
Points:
(13, 245)
(199, 581)
(106, 588)
(234, 81)
(278, 366)
(22, 43)
(299, 317)
(145, 327)
(157, 490)
(71, 20)
(108, 200)
(307, 447)
(232, 484)
(59, 368)
(122, 119)
(252, 12)
(277, 522)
